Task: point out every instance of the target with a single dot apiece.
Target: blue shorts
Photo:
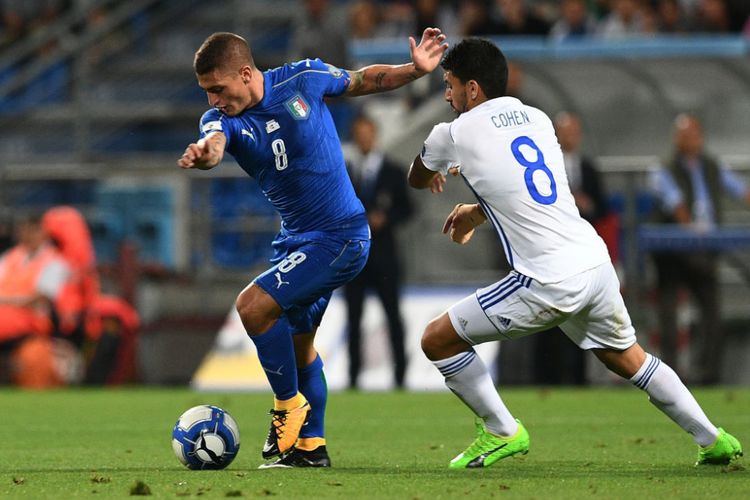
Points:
(308, 268)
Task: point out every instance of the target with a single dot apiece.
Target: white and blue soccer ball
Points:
(206, 437)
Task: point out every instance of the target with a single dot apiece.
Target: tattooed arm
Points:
(382, 77)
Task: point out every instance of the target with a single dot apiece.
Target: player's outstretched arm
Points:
(462, 220)
(204, 154)
(425, 58)
(421, 177)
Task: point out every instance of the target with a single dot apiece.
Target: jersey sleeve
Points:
(213, 121)
(439, 153)
(322, 78)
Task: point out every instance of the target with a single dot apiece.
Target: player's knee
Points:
(433, 341)
(440, 340)
(254, 311)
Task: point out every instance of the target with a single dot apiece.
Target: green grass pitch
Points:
(590, 443)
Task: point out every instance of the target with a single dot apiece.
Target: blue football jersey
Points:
(288, 143)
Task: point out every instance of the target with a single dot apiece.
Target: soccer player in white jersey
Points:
(507, 153)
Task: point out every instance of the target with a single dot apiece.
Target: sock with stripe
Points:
(312, 384)
(667, 392)
(467, 376)
(276, 355)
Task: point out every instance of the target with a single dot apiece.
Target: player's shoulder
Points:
(212, 115)
(302, 69)
(213, 120)
(537, 115)
(442, 132)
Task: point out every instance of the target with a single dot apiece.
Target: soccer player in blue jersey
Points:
(276, 125)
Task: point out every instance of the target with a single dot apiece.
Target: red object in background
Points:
(67, 227)
(81, 302)
(608, 228)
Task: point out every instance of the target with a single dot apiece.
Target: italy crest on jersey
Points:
(297, 106)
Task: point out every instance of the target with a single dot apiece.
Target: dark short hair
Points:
(222, 50)
(480, 60)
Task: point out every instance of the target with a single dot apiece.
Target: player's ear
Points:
(246, 73)
(473, 90)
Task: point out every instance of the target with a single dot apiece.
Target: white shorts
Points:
(588, 307)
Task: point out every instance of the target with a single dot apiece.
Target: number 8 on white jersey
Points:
(509, 156)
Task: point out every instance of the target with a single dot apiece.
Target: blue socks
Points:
(312, 384)
(276, 355)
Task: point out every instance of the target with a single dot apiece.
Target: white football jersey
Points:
(509, 156)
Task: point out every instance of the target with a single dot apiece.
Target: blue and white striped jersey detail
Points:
(645, 378)
(460, 362)
(503, 289)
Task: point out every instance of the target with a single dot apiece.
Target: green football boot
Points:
(725, 449)
(488, 448)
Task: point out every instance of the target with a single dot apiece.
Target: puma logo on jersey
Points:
(249, 134)
(279, 281)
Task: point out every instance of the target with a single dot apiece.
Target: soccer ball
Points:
(206, 437)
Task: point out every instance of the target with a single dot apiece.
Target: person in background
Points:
(475, 18)
(626, 18)
(32, 275)
(103, 327)
(671, 17)
(713, 17)
(379, 184)
(322, 32)
(690, 188)
(20, 18)
(364, 20)
(583, 177)
(574, 22)
(516, 18)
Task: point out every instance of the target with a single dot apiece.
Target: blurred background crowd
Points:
(97, 100)
(367, 19)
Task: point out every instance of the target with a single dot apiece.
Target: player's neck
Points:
(257, 88)
(473, 103)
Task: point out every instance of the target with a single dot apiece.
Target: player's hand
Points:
(203, 154)
(427, 55)
(460, 223)
(438, 181)
(436, 186)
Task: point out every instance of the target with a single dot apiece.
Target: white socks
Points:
(467, 376)
(667, 392)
